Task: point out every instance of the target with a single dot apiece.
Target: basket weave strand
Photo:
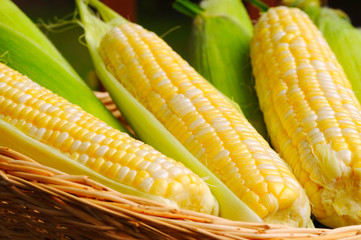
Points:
(38, 202)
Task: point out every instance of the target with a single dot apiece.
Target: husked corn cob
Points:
(50, 119)
(205, 122)
(144, 124)
(312, 114)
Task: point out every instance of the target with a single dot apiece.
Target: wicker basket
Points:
(38, 202)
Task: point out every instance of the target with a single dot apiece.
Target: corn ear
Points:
(59, 134)
(26, 49)
(221, 35)
(343, 38)
(146, 126)
(311, 111)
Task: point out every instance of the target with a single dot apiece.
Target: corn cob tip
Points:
(297, 215)
(340, 199)
(341, 202)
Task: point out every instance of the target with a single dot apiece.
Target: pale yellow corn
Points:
(311, 112)
(50, 119)
(205, 122)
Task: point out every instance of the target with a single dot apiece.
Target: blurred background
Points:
(155, 15)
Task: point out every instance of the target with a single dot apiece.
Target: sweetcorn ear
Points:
(219, 51)
(201, 119)
(312, 114)
(59, 134)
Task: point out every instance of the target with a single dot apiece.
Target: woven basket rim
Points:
(87, 209)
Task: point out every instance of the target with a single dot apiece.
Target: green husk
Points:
(146, 126)
(343, 38)
(13, 17)
(220, 42)
(26, 49)
(302, 3)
